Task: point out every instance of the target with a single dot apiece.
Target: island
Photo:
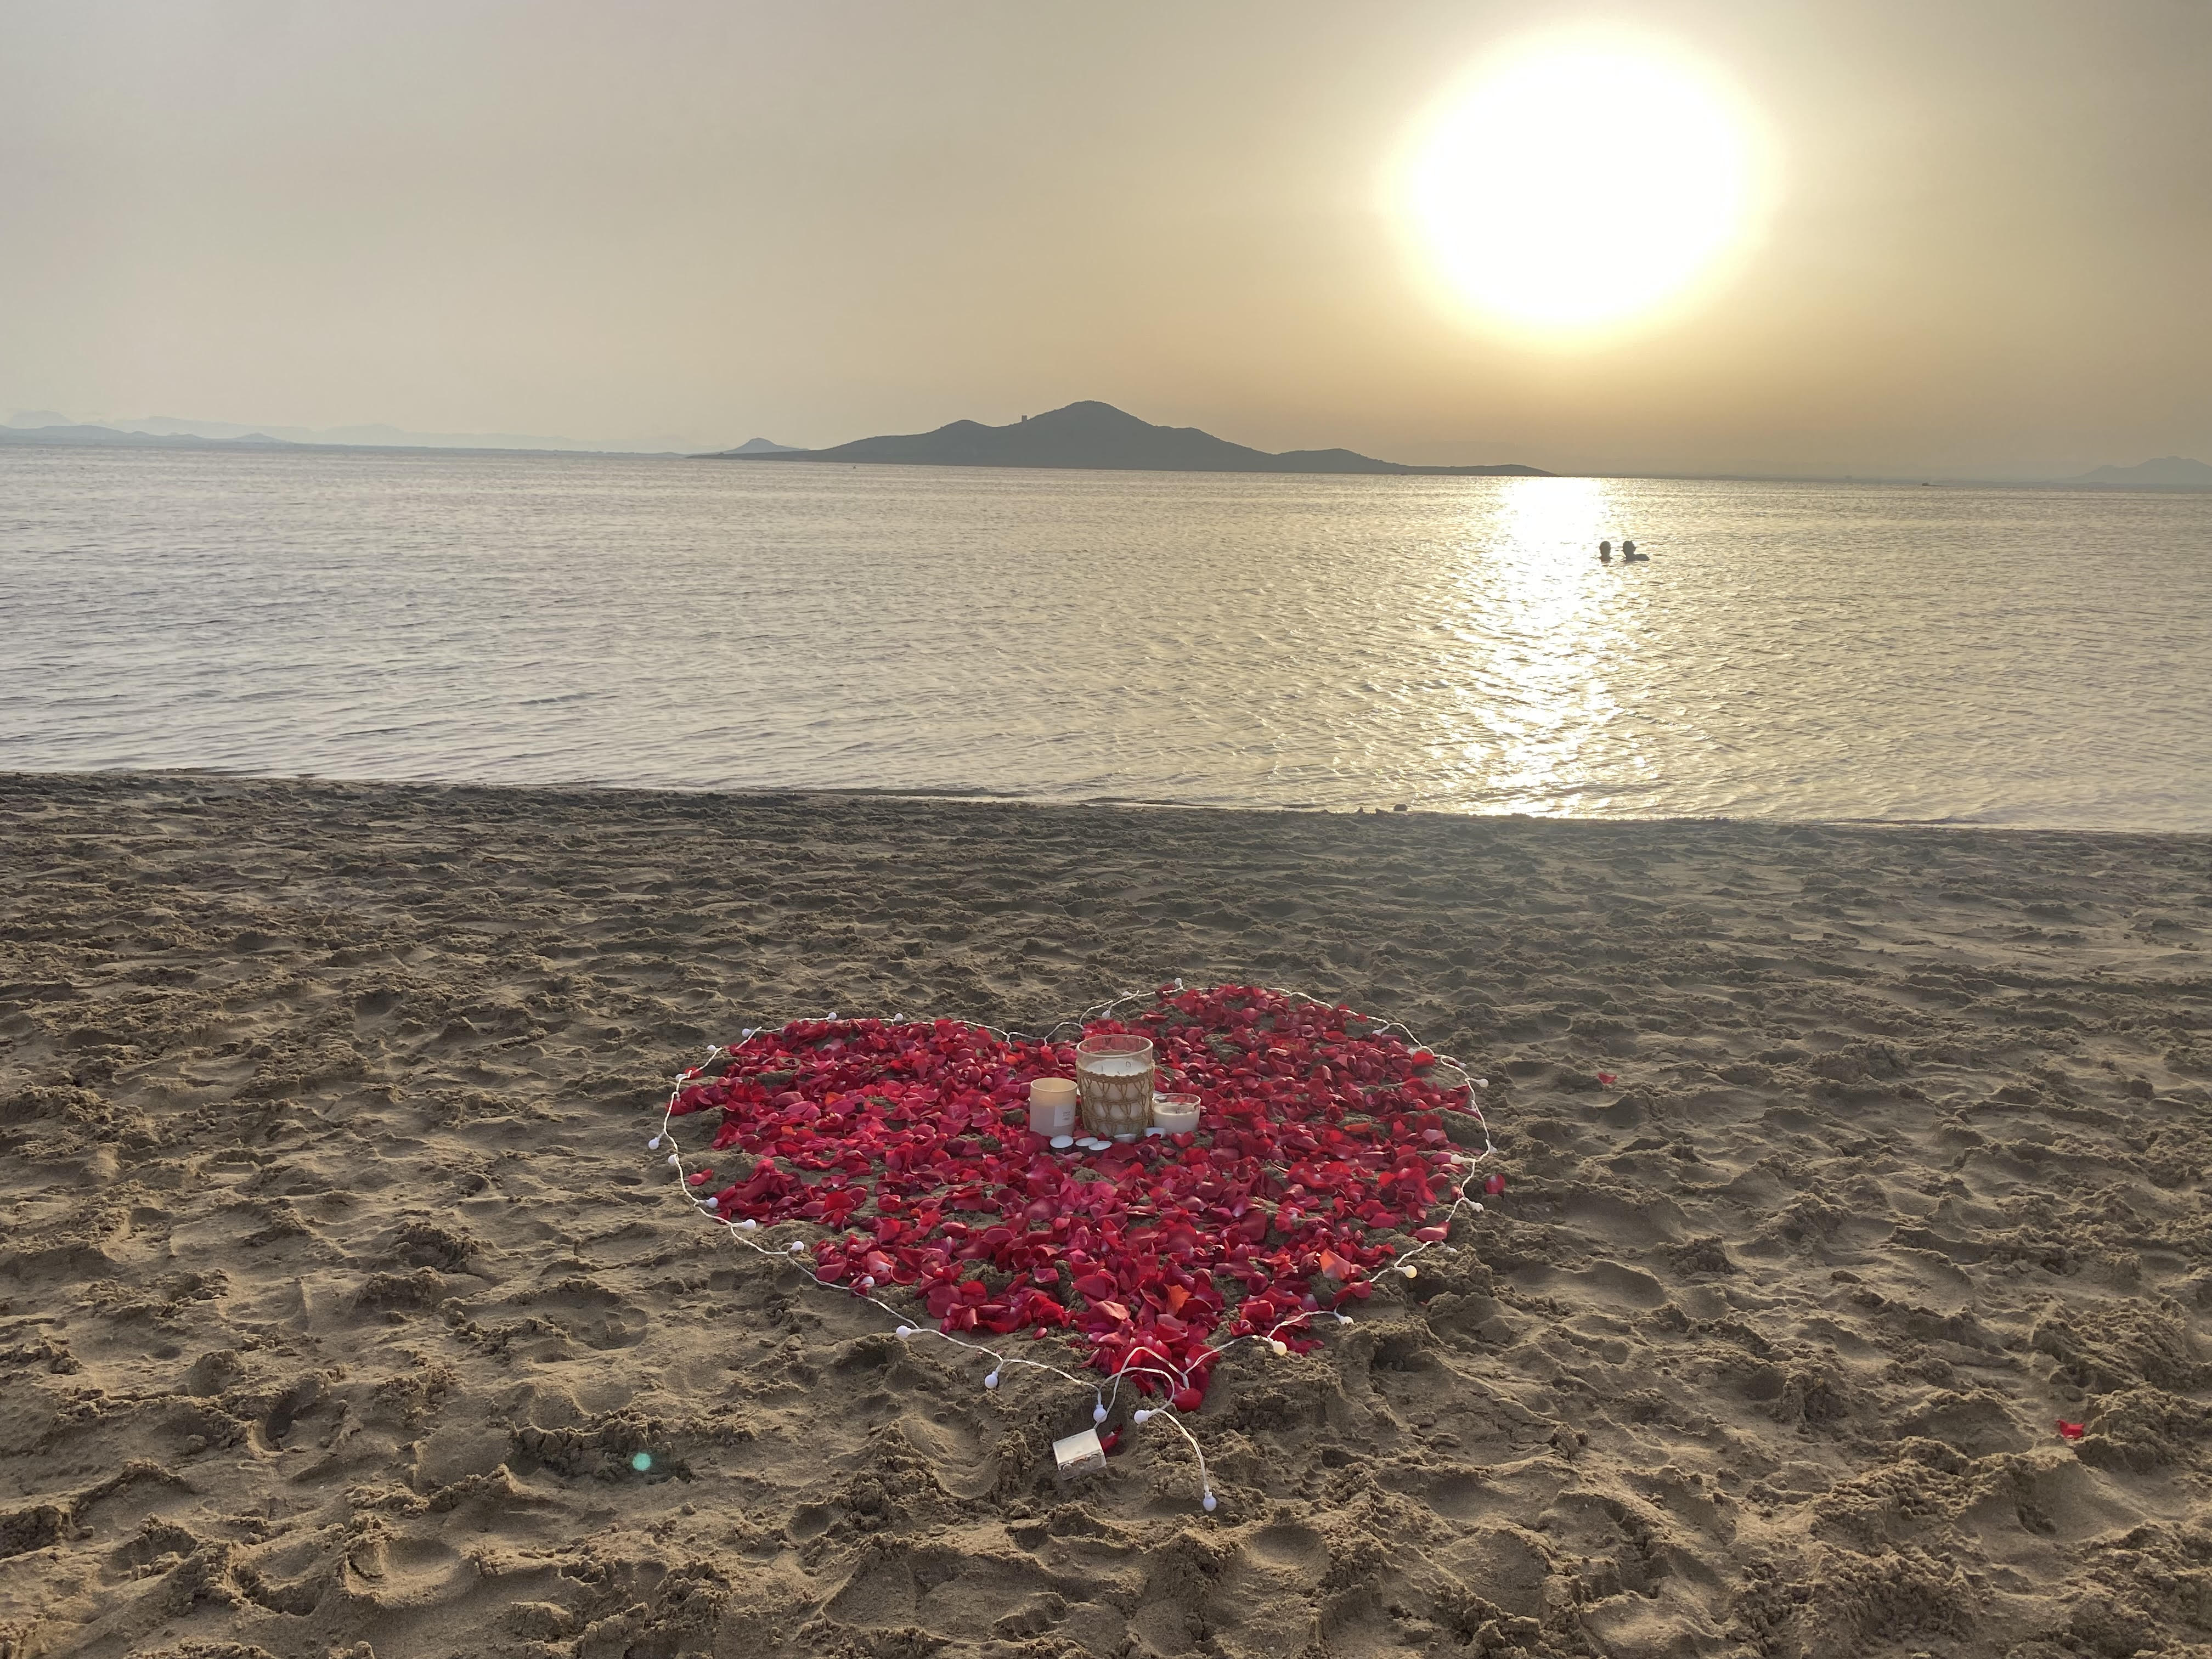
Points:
(1097, 436)
(2167, 472)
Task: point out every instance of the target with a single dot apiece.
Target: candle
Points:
(1114, 1080)
(1080, 1454)
(1052, 1106)
(1174, 1114)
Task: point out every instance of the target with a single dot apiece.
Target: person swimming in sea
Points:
(1629, 553)
(1605, 552)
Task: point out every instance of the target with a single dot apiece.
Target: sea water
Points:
(2026, 657)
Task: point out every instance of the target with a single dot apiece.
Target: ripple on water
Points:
(1805, 651)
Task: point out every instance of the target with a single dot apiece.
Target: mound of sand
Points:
(338, 1291)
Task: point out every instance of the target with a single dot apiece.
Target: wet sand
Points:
(337, 1289)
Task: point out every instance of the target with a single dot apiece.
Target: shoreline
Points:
(764, 792)
(339, 1286)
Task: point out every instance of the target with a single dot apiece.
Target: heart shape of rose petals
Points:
(1320, 1153)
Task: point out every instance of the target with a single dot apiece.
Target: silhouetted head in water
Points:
(1605, 551)
(1628, 548)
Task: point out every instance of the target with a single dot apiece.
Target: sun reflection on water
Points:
(1546, 633)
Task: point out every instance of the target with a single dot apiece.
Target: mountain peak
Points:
(1086, 409)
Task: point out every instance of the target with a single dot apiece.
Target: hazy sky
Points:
(1988, 250)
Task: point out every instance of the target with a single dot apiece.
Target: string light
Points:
(1179, 1377)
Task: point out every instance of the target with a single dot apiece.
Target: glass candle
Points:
(1052, 1106)
(1174, 1114)
(1113, 1082)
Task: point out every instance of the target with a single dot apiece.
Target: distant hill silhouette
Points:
(761, 446)
(1098, 435)
(80, 434)
(379, 436)
(109, 434)
(2167, 470)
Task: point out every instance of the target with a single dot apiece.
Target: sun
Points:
(1569, 188)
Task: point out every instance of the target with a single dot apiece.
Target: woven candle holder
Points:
(1114, 1080)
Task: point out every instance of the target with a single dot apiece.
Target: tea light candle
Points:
(1052, 1106)
(1174, 1114)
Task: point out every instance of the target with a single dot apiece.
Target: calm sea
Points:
(1791, 651)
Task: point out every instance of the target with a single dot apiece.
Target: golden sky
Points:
(1983, 247)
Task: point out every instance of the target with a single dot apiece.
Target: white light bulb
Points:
(1407, 1268)
(675, 1162)
(992, 1381)
(1099, 1411)
(653, 1145)
(903, 1332)
(1209, 1503)
(748, 1226)
(1142, 1417)
(1278, 1344)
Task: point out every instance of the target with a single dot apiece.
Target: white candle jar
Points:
(1052, 1106)
(1174, 1114)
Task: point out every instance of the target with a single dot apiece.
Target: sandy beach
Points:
(338, 1290)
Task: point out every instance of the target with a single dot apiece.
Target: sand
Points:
(338, 1290)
